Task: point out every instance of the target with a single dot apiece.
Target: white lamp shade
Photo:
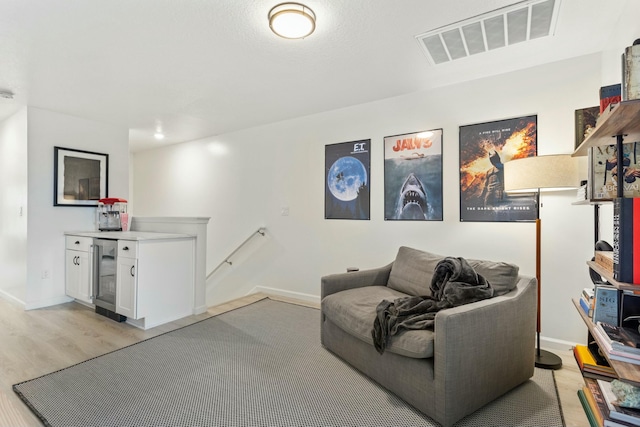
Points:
(551, 173)
(292, 20)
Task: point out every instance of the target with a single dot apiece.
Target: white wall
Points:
(46, 223)
(13, 204)
(242, 180)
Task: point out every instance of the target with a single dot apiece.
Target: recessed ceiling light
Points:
(292, 20)
(159, 136)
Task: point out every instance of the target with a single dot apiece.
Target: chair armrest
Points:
(356, 279)
(484, 349)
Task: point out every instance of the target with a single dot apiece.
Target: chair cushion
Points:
(502, 275)
(412, 271)
(354, 311)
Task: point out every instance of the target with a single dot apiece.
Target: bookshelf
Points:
(615, 124)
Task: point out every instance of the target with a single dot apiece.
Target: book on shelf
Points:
(606, 305)
(626, 240)
(617, 412)
(602, 171)
(605, 260)
(631, 72)
(609, 95)
(615, 353)
(589, 366)
(586, 305)
(630, 309)
(593, 422)
(582, 194)
(585, 123)
(619, 338)
(587, 301)
(596, 401)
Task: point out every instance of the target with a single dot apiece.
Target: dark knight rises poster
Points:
(484, 148)
(347, 180)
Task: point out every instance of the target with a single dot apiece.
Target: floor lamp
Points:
(541, 173)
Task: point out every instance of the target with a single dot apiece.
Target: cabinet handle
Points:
(75, 260)
(126, 248)
(132, 270)
(77, 242)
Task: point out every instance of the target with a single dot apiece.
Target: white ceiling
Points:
(199, 68)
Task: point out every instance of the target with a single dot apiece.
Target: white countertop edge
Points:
(129, 235)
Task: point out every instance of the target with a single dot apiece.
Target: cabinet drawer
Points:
(79, 243)
(127, 248)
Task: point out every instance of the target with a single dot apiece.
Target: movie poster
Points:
(413, 176)
(347, 180)
(484, 148)
(603, 171)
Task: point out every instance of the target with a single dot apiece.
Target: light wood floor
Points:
(37, 342)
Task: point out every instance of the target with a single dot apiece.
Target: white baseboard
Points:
(199, 310)
(285, 293)
(555, 344)
(12, 298)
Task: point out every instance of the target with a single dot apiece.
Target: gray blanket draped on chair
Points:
(454, 283)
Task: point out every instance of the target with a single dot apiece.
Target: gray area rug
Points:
(260, 365)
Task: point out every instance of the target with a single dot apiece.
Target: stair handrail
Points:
(261, 231)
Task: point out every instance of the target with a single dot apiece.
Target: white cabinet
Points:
(78, 262)
(126, 284)
(155, 274)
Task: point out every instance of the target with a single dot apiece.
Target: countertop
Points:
(129, 235)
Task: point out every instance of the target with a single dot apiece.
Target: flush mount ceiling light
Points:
(292, 20)
(520, 22)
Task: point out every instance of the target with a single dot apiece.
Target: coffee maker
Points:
(112, 214)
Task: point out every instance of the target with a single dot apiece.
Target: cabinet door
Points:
(72, 274)
(126, 287)
(78, 275)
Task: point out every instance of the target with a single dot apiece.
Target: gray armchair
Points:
(476, 352)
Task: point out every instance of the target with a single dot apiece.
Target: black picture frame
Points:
(347, 176)
(484, 148)
(413, 176)
(80, 178)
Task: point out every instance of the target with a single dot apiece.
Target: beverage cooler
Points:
(105, 261)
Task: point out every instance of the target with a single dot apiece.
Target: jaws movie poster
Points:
(484, 148)
(413, 176)
(347, 180)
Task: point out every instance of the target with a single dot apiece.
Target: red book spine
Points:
(635, 255)
(626, 240)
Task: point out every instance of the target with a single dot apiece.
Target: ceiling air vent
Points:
(513, 24)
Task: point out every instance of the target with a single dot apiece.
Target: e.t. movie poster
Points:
(347, 180)
(484, 148)
(413, 176)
